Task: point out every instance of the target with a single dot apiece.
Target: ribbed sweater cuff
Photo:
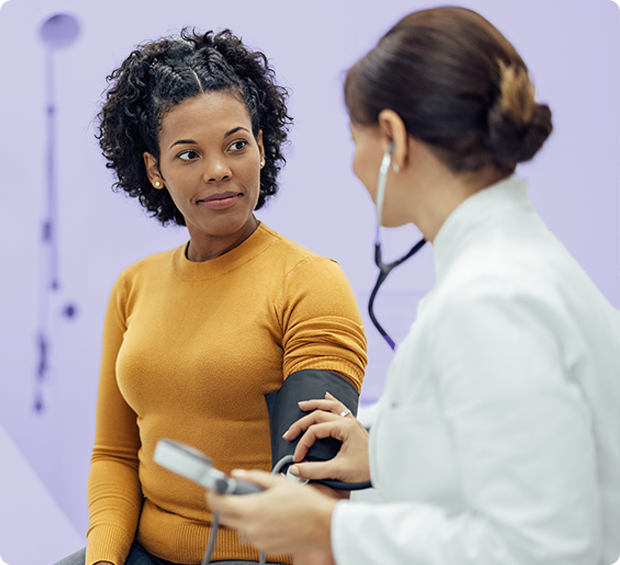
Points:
(227, 547)
(108, 543)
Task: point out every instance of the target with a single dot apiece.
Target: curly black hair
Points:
(159, 75)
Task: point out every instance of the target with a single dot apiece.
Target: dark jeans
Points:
(139, 556)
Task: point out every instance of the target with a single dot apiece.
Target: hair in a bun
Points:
(458, 84)
(518, 125)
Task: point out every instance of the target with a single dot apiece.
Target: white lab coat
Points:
(497, 439)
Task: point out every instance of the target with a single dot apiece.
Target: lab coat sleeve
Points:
(523, 439)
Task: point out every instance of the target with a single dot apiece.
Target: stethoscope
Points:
(385, 269)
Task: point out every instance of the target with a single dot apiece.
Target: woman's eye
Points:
(188, 155)
(238, 145)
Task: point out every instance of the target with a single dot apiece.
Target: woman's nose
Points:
(217, 170)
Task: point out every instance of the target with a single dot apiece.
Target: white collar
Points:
(474, 216)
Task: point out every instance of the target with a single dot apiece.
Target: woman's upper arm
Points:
(321, 323)
(116, 427)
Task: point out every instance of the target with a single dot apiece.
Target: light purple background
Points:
(571, 46)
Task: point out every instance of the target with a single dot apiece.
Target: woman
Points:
(497, 439)
(195, 338)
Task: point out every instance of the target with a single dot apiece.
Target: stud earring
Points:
(262, 163)
(157, 184)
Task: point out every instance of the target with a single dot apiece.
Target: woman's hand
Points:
(351, 462)
(286, 518)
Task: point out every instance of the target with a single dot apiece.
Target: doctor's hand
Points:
(351, 463)
(286, 517)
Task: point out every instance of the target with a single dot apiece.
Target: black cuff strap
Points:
(283, 412)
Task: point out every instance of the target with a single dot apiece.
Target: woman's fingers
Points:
(317, 408)
(264, 518)
(233, 509)
(328, 404)
(334, 427)
(330, 418)
(350, 463)
(301, 425)
(262, 478)
(316, 470)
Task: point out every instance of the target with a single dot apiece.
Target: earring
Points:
(157, 184)
(262, 163)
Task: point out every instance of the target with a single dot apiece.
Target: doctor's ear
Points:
(393, 128)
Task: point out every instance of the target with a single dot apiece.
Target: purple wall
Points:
(571, 46)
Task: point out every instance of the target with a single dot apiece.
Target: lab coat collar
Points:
(474, 217)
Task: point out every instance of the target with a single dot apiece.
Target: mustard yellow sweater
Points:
(189, 351)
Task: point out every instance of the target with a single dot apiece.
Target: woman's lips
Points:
(220, 201)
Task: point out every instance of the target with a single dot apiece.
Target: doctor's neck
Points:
(431, 191)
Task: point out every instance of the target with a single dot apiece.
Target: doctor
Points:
(498, 435)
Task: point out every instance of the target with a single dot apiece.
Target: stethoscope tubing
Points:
(385, 268)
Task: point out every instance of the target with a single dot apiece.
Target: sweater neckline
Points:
(253, 246)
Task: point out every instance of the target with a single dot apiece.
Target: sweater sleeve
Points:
(321, 324)
(114, 493)
(523, 438)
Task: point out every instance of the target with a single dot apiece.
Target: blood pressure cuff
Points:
(283, 410)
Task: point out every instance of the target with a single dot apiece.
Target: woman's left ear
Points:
(393, 129)
(152, 170)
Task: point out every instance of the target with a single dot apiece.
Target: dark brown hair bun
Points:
(518, 125)
(458, 85)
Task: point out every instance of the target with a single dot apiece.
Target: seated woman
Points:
(194, 338)
(497, 439)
